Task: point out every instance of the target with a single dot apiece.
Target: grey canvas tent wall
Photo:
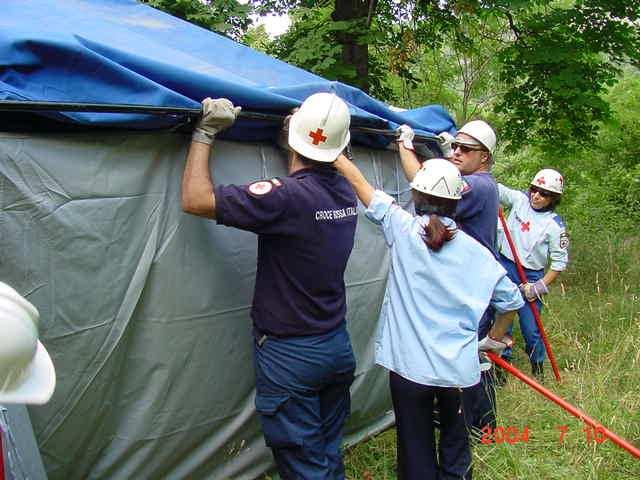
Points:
(145, 309)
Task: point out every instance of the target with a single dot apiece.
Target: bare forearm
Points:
(550, 277)
(409, 162)
(354, 176)
(197, 185)
(502, 324)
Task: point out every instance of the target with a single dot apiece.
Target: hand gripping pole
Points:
(532, 304)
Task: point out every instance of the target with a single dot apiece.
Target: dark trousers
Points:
(303, 400)
(480, 399)
(418, 457)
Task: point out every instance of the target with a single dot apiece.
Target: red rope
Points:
(621, 442)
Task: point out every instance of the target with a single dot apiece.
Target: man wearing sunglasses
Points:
(471, 151)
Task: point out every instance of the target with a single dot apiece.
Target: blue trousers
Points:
(417, 458)
(534, 346)
(303, 400)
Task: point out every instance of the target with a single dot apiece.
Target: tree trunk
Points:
(355, 51)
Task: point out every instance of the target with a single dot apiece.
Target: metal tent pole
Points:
(34, 106)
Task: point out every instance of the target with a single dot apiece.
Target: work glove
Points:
(497, 346)
(283, 134)
(533, 291)
(446, 139)
(217, 114)
(405, 136)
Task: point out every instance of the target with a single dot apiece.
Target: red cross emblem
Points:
(317, 136)
(541, 181)
(524, 226)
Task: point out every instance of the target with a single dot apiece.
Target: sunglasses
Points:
(539, 191)
(466, 148)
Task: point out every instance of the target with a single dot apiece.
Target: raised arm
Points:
(408, 158)
(198, 197)
(354, 176)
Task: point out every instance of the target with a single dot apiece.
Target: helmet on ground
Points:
(440, 178)
(26, 372)
(549, 179)
(319, 130)
(482, 132)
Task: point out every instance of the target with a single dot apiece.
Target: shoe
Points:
(500, 374)
(537, 371)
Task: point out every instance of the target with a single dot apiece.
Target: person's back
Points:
(303, 248)
(451, 286)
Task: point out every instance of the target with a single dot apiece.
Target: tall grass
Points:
(592, 318)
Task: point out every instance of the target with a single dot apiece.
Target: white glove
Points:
(497, 346)
(533, 291)
(217, 114)
(405, 136)
(446, 139)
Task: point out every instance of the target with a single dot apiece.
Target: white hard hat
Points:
(481, 131)
(549, 179)
(440, 178)
(26, 372)
(319, 130)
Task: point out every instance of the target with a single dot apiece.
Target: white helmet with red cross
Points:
(27, 374)
(319, 130)
(549, 179)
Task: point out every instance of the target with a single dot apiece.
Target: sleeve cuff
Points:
(221, 204)
(379, 206)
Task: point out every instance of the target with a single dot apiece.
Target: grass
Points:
(592, 319)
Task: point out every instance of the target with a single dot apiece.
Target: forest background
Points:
(560, 83)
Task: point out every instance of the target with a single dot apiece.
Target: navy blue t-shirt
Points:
(306, 225)
(477, 211)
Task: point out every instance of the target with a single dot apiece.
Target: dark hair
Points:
(435, 233)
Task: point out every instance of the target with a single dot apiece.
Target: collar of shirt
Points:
(324, 170)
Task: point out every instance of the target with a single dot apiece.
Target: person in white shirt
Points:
(540, 238)
(440, 283)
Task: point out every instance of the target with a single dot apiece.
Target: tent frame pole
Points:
(191, 113)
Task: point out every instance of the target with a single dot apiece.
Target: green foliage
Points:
(228, 17)
(257, 38)
(559, 67)
(602, 178)
(311, 43)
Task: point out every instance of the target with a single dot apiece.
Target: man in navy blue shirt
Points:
(306, 224)
(476, 215)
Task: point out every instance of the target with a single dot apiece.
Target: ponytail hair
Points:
(436, 234)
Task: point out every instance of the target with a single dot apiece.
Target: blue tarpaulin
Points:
(124, 52)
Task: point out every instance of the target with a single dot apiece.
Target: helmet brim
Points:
(305, 148)
(37, 383)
